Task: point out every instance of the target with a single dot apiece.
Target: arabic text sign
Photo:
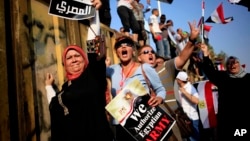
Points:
(73, 10)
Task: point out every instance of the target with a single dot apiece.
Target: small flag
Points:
(219, 65)
(244, 3)
(206, 29)
(218, 16)
(166, 1)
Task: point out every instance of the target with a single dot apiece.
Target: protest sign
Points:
(142, 121)
(73, 10)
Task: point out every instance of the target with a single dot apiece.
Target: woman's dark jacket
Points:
(233, 112)
(85, 101)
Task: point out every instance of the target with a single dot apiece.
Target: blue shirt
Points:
(114, 72)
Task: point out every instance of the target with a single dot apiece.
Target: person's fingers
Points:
(150, 101)
(189, 23)
(154, 101)
(47, 76)
(194, 23)
(96, 3)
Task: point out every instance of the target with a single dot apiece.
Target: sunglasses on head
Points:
(148, 51)
(125, 44)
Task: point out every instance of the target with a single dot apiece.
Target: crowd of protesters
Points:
(190, 62)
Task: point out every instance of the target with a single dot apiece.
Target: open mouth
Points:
(150, 59)
(124, 52)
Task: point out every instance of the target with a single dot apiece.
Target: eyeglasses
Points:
(148, 51)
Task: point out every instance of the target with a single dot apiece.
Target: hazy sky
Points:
(232, 38)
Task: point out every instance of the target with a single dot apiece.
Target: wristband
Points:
(192, 41)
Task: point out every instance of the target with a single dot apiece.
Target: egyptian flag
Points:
(206, 29)
(244, 3)
(208, 103)
(166, 1)
(221, 67)
(218, 16)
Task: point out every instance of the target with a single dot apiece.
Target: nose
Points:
(74, 59)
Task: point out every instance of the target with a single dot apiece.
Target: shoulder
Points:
(170, 61)
(193, 89)
(112, 68)
(152, 16)
(147, 66)
(170, 64)
(247, 76)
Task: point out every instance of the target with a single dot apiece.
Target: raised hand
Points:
(96, 3)
(49, 80)
(194, 31)
(204, 49)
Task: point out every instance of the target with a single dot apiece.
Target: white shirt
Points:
(155, 24)
(126, 3)
(189, 107)
(50, 92)
(181, 44)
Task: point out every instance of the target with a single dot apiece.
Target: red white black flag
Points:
(244, 3)
(206, 28)
(166, 1)
(218, 16)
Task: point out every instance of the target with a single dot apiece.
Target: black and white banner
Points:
(73, 9)
(143, 122)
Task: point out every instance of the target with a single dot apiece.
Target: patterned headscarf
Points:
(83, 54)
(241, 73)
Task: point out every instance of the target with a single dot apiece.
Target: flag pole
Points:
(159, 6)
(202, 22)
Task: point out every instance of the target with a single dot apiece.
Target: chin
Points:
(234, 72)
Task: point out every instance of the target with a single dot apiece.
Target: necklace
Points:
(124, 77)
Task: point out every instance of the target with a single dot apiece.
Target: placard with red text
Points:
(145, 123)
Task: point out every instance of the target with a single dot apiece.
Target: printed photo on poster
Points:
(130, 108)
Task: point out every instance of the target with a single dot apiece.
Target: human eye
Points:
(77, 55)
(68, 57)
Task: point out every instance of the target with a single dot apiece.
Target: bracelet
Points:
(192, 41)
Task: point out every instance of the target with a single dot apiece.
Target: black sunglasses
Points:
(148, 51)
(124, 45)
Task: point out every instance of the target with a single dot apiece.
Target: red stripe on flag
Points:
(207, 27)
(210, 104)
(170, 92)
(220, 13)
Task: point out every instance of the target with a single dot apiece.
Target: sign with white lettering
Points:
(145, 123)
(73, 10)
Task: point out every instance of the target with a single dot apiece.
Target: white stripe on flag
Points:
(205, 116)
